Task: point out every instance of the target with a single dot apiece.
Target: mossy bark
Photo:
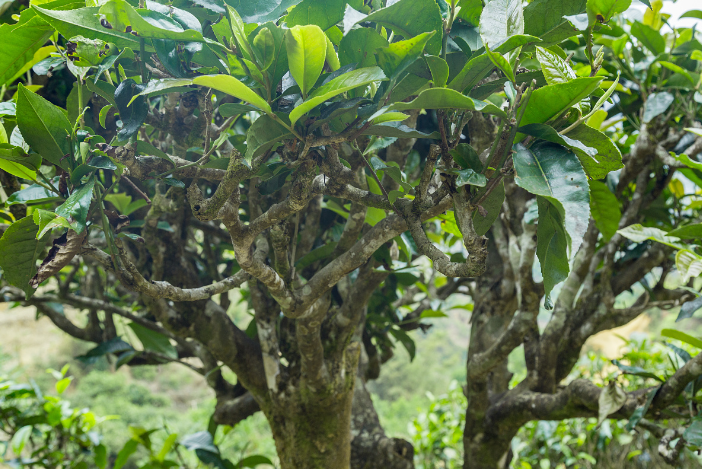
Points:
(314, 434)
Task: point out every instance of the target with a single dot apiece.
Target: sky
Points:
(675, 9)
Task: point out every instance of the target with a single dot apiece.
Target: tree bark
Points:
(314, 434)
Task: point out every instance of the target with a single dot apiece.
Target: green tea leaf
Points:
(445, 98)
(604, 208)
(155, 341)
(230, 85)
(500, 20)
(75, 208)
(44, 127)
(19, 251)
(335, 87)
(307, 49)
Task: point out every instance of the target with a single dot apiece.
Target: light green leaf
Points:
(388, 117)
(445, 98)
(551, 101)
(439, 70)
(307, 50)
(264, 48)
(500, 62)
(103, 114)
(230, 85)
(19, 251)
(611, 399)
(681, 336)
(688, 264)
(17, 169)
(640, 234)
(604, 208)
(556, 70)
(28, 35)
(602, 11)
(335, 87)
(554, 172)
(75, 208)
(20, 439)
(44, 127)
(239, 33)
(500, 20)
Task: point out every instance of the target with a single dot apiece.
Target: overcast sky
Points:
(675, 9)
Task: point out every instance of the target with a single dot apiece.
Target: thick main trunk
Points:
(487, 451)
(313, 435)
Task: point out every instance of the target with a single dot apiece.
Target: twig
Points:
(139, 191)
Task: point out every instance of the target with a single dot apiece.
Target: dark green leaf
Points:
(132, 115)
(44, 127)
(410, 18)
(75, 208)
(693, 433)
(636, 370)
(260, 11)
(466, 156)
(398, 130)
(254, 461)
(335, 87)
(608, 157)
(470, 177)
(445, 98)
(398, 56)
(86, 22)
(406, 341)
(315, 255)
(127, 450)
(548, 133)
(323, 13)
(115, 345)
(604, 208)
(359, 46)
(688, 232)
(689, 308)
(155, 341)
(551, 171)
(263, 134)
(492, 205)
(640, 411)
(552, 245)
(545, 18)
(649, 37)
(19, 251)
(229, 109)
